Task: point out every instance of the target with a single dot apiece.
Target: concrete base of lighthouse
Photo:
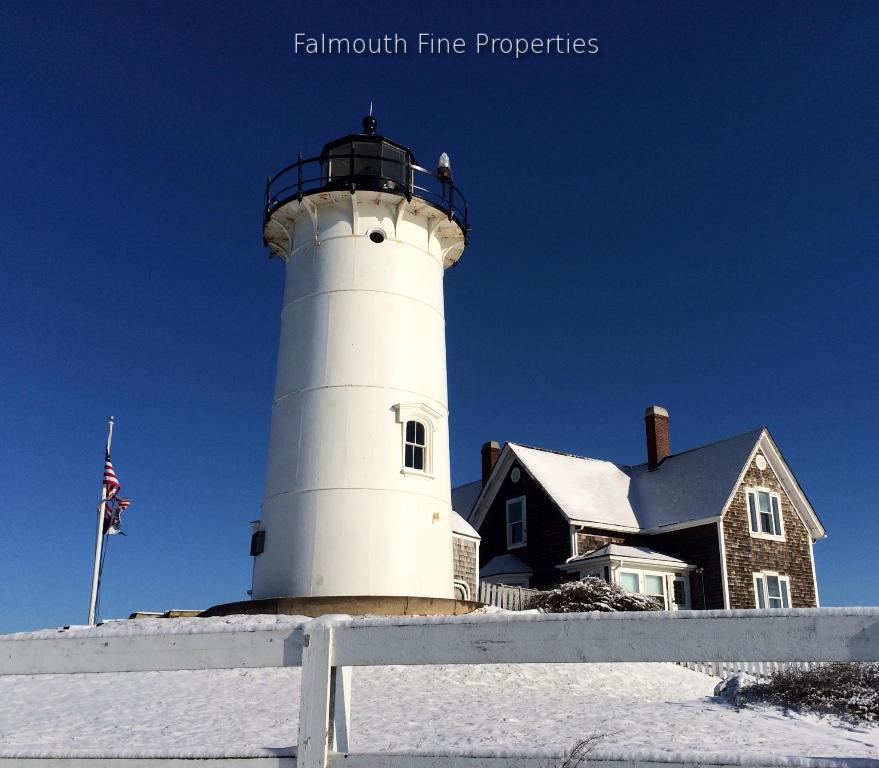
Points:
(355, 605)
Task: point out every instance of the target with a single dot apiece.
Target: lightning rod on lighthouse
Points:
(357, 493)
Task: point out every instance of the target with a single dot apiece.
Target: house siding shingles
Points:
(698, 546)
(746, 554)
(465, 566)
(590, 539)
(548, 534)
(549, 544)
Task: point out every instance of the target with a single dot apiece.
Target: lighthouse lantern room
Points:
(357, 494)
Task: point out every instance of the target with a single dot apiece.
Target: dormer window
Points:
(764, 513)
(415, 446)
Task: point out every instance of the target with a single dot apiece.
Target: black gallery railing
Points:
(353, 171)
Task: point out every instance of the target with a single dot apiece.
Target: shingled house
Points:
(726, 525)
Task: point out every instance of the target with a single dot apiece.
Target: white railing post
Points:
(314, 697)
(341, 708)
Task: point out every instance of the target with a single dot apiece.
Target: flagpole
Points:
(99, 539)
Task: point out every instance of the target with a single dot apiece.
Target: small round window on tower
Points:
(377, 236)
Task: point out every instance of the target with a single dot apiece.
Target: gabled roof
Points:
(504, 565)
(685, 489)
(464, 497)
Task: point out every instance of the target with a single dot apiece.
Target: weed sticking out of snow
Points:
(591, 594)
(581, 751)
(848, 691)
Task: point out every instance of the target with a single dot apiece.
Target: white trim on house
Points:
(667, 579)
(755, 491)
(614, 559)
(524, 522)
(680, 526)
(779, 467)
(638, 562)
(723, 573)
(492, 486)
(763, 577)
(814, 575)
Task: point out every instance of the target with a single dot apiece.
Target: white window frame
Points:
(685, 581)
(761, 588)
(425, 458)
(510, 543)
(773, 496)
(642, 581)
(428, 417)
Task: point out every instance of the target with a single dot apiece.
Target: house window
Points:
(415, 446)
(771, 590)
(516, 528)
(680, 592)
(764, 512)
(649, 584)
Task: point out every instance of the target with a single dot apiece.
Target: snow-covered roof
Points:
(685, 488)
(504, 565)
(464, 497)
(628, 553)
(462, 528)
(586, 490)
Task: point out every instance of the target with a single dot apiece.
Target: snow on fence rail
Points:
(327, 649)
(503, 596)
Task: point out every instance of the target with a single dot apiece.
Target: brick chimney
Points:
(490, 453)
(658, 446)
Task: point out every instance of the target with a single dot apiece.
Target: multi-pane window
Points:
(772, 590)
(649, 584)
(630, 581)
(415, 453)
(516, 532)
(764, 511)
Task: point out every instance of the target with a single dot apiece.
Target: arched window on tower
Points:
(415, 453)
(417, 424)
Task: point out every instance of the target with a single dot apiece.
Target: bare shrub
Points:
(849, 691)
(580, 752)
(591, 594)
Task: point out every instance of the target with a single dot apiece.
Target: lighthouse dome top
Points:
(367, 161)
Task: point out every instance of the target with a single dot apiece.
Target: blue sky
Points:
(688, 218)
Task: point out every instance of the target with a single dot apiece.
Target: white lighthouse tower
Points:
(357, 495)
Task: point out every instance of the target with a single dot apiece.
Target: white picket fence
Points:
(503, 596)
(759, 669)
(328, 649)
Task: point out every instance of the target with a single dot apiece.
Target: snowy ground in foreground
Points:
(643, 710)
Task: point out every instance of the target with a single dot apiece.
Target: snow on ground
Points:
(184, 625)
(641, 711)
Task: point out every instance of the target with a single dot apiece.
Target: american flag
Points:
(111, 482)
(113, 514)
(114, 505)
